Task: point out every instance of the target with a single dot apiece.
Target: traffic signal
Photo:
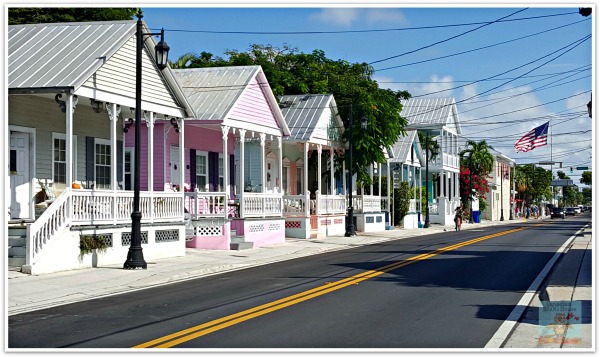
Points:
(571, 169)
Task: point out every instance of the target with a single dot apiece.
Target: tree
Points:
(476, 163)
(586, 178)
(356, 94)
(183, 61)
(36, 15)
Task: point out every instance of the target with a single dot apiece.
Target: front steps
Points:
(17, 246)
(238, 242)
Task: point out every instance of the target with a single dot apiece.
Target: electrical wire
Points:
(447, 39)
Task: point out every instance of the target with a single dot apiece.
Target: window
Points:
(59, 157)
(202, 171)
(59, 173)
(128, 171)
(221, 183)
(299, 178)
(285, 179)
(102, 163)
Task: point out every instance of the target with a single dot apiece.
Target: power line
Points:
(479, 48)
(358, 31)
(447, 39)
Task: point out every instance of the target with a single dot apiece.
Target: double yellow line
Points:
(191, 333)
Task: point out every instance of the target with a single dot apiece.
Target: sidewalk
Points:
(29, 293)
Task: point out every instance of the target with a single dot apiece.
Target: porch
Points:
(53, 239)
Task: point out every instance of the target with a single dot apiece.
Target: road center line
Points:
(224, 322)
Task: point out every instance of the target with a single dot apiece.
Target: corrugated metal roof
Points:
(62, 55)
(428, 113)
(401, 148)
(213, 91)
(302, 113)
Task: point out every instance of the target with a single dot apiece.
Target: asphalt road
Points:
(447, 290)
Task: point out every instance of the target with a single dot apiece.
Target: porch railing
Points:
(209, 204)
(366, 203)
(106, 207)
(296, 205)
(262, 204)
(40, 232)
(84, 207)
(331, 204)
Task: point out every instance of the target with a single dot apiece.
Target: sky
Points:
(510, 69)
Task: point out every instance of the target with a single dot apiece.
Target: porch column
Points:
(113, 116)
(344, 177)
(150, 125)
(280, 168)
(331, 170)
(305, 172)
(389, 173)
(225, 132)
(319, 188)
(242, 179)
(379, 175)
(181, 160)
(263, 180)
(69, 148)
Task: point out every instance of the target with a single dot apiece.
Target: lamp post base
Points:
(502, 215)
(135, 259)
(350, 230)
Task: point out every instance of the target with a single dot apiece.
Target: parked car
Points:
(570, 211)
(558, 212)
(577, 210)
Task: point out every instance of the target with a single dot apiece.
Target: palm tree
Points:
(478, 157)
(479, 161)
(182, 62)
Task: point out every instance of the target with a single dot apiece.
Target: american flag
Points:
(536, 137)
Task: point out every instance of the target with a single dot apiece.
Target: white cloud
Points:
(337, 16)
(346, 17)
(385, 15)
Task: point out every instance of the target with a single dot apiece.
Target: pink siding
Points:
(265, 234)
(164, 136)
(253, 107)
(211, 242)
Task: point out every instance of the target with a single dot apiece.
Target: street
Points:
(445, 290)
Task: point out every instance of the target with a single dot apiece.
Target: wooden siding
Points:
(117, 76)
(253, 107)
(45, 115)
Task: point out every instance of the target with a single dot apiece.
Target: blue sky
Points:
(514, 76)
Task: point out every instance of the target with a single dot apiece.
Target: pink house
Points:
(231, 158)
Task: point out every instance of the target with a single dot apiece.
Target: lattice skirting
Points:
(200, 231)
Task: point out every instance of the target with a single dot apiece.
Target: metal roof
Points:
(302, 113)
(62, 55)
(423, 113)
(401, 149)
(213, 91)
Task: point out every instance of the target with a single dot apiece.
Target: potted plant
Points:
(91, 244)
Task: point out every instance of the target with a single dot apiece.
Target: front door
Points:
(20, 181)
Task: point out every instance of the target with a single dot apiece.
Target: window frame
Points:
(206, 175)
(97, 185)
(63, 136)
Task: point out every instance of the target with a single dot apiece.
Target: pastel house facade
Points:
(231, 161)
(438, 117)
(71, 92)
(314, 188)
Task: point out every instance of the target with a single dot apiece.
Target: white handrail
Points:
(262, 204)
(52, 220)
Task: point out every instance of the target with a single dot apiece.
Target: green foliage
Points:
(404, 194)
(477, 157)
(533, 183)
(430, 147)
(91, 242)
(36, 15)
(586, 178)
(356, 94)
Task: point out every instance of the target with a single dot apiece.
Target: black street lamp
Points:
(135, 256)
(350, 229)
(426, 224)
(589, 106)
(502, 194)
